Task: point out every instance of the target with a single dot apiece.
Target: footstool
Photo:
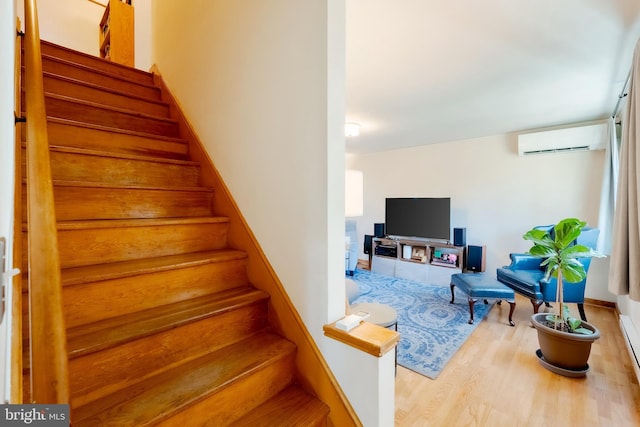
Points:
(478, 285)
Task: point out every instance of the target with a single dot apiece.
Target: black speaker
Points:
(460, 237)
(476, 258)
(368, 242)
(378, 230)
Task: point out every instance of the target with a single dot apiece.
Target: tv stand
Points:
(422, 261)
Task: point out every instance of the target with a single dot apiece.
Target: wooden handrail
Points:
(15, 310)
(49, 365)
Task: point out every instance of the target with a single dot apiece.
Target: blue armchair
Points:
(525, 276)
(350, 246)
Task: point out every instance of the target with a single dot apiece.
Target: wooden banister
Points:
(15, 310)
(49, 365)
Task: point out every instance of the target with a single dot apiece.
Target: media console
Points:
(421, 261)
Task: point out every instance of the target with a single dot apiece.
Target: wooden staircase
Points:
(163, 325)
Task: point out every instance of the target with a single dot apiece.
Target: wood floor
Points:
(495, 380)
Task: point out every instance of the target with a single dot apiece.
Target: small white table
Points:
(379, 314)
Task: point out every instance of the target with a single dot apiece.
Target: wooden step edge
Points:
(159, 397)
(109, 108)
(70, 122)
(93, 57)
(95, 273)
(109, 154)
(143, 222)
(103, 88)
(91, 184)
(86, 339)
(124, 156)
(98, 71)
(290, 408)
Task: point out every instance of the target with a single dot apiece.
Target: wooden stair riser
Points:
(78, 90)
(95, 375)
(67, 108)
(66, 134)
(111, 203)
(85, 303)
(251, 370)
(72, 71)
(98, 167)
(96, 63)
(93, 246)
(292, 407)
(75, 203)
(80, 247)
(238, 398)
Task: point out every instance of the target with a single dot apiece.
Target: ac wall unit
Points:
(587, 137)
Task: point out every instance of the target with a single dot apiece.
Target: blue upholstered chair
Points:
(525, 275)
(351, 246)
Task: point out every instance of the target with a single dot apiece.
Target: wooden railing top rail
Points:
(49, 365)
(15, 309)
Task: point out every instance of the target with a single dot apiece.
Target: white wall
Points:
(71, 23)
(252, 78)
(7, 136)
(75, 24)
(495, 194)
(143, 41)
(263, 85)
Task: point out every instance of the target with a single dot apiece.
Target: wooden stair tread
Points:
(290, 408)
(116, 130)
(107, 333)
(163, 395)
(146, 75)
(97, 71)
(88, 152)
(91, 273)
(145, 222)
(89, 184)
(103, 88)
(132, 113)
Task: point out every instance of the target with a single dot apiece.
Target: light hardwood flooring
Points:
(495, 380)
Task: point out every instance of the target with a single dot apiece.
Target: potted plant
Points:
(565, 342)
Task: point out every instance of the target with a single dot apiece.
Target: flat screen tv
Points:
(428, 218)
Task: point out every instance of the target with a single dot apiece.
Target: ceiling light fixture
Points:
(351, 130)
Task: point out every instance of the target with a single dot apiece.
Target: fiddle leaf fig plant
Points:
(561, 260)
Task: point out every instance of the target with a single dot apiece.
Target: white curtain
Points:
(624, 273)
(609, 187)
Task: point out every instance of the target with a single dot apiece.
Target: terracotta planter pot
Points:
(564, 350)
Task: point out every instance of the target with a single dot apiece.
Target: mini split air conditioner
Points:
(587, 137)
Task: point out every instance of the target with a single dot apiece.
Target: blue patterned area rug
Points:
(431, 329)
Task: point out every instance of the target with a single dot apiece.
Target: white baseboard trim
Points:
(632, 340)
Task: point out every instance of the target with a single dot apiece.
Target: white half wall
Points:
(495, 194)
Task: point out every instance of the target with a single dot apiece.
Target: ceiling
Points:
(422, 72)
